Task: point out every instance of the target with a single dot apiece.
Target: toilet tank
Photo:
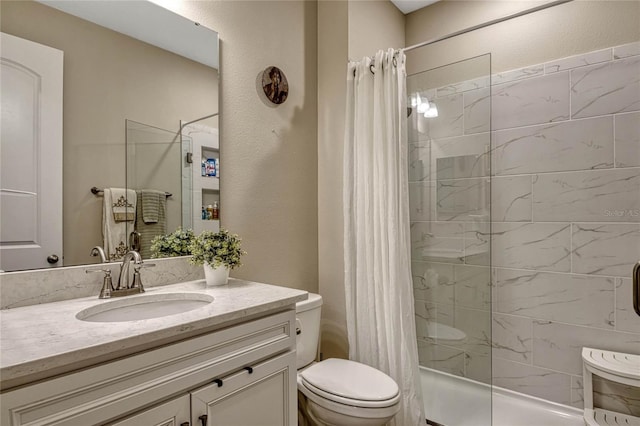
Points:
(307, 329)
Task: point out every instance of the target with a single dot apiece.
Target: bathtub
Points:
(457, 401)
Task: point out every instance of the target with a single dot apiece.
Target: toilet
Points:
(338, 392)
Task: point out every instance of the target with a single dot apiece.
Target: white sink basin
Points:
(133, 308)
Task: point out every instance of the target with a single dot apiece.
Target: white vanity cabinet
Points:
(240, 375)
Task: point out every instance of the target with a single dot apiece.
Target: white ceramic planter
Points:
(216, 276)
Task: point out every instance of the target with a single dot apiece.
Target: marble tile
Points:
(559, 147)
(464, 86)
(462, 166)
(589, 196)
(433, 282)
(512, 337)
(468, 156)
(569, 298)
(477, 111)
(472, 286)
(419, 161)
(441, 358)
(463, 199)
(576, 61)
(608, 88)
(476, 325)
(422, 201)
(577, 394)
(517, 74)
(559, 346)
(542, 246)
(626, 317)
(449, 121)
(477, 367)
(437, 241)
(616, 396)
(608, 395)
(511, 199)
(605, 249)
(535, 100)
(532, 380)
(428, 313)
(627, 141)
(477, 243)
(626, 50)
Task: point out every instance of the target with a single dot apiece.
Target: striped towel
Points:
(149, 230)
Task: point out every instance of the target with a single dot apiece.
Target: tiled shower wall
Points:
(564, 227)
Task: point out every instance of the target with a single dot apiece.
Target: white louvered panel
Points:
(611, 418)
(620, 364)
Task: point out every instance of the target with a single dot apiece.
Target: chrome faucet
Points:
(123, 288)
(99, 251)
(123, 279)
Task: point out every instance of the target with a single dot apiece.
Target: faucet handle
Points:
(107, 284)
(137, 280)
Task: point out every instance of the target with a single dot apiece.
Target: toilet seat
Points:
(350, 383)
(372, 414)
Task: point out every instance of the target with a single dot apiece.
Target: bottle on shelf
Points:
(215, 214)
(204, 213)
(209, 212)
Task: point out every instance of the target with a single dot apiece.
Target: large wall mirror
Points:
(130, 89)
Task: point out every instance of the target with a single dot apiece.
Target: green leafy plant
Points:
(217, 249)
(177, 243)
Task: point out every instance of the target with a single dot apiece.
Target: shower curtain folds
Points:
(379, 291)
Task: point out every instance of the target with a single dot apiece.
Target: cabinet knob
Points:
(53, 258)
(203, 419)
(184, 424)
(249, 369)
(218, 382)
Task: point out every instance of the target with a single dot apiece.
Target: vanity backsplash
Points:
(24, 288)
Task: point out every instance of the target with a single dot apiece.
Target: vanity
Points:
(231, 360)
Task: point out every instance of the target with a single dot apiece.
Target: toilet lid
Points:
(349, 379)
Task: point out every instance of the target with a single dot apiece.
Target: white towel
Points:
(114, 233)
(123, 204)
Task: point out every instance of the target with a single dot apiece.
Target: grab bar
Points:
(636, 288)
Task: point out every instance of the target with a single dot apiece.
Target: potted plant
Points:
(177, 243)
(219, 252)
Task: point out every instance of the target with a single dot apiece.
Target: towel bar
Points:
(97, 191)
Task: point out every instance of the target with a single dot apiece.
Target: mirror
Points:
(122, 62)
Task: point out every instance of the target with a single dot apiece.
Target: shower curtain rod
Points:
(486, 24)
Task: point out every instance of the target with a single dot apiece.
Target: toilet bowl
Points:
(338, 391)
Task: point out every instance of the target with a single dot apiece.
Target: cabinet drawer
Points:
(115, 389)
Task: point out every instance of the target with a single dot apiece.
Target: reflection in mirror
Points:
(106, 77)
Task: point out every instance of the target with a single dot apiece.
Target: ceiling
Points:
(408, 6)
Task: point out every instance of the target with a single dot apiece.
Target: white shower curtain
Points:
(379, 291)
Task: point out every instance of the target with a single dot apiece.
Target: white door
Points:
(30, 154)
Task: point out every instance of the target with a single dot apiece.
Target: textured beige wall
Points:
(346, 29)
(333, 53)
(108, 77)
(374, 25)
(269, 154)
(557, 32)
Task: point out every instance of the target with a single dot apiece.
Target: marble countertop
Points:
(41, 341)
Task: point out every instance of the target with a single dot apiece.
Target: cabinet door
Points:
(172, 413)
(265, 397)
